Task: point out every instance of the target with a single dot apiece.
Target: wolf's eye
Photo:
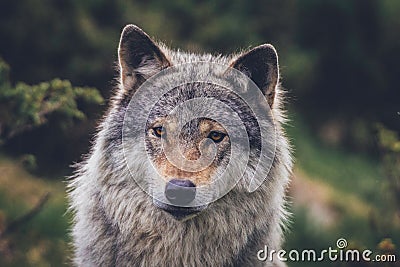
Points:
(216, 136)
(159, 131)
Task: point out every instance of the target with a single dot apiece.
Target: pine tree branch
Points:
(14, 225)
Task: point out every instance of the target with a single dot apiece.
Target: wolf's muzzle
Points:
(180, 192)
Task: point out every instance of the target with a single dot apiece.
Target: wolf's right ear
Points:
(139, 57)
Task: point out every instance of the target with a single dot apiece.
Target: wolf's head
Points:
(191, 127)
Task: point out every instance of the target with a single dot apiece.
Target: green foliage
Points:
(352, 177)
(40, 240)
(339, 168)
(24, 107)
(28, 161)
(390, 144)
(45, 235)
(388, 139)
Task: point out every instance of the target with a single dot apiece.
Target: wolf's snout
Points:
(180, 192)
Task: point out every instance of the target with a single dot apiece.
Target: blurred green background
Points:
(339, 61)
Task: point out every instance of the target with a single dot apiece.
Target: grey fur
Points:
(117, 224)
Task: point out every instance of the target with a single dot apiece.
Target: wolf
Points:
(120, 218)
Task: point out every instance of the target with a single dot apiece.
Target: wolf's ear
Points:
(139, 57)
(261, 65)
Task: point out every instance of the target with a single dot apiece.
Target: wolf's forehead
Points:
(193, 98)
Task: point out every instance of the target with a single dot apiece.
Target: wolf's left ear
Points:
(139, 57)
(261, 65)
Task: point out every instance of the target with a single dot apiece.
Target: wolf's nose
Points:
(180, 192)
